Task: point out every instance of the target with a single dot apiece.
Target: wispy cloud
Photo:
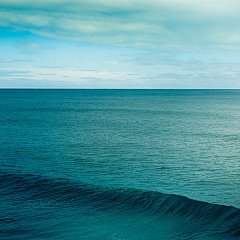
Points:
(11, 60)
(56, 78)
(14, 73)
(158, 24)
(7, 60)
(29, 47)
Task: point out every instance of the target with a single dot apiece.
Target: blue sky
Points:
(120, 44)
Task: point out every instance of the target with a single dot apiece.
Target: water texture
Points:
(119, 164)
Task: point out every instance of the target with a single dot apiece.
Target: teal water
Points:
(119, 164)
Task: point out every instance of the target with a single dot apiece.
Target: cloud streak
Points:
(181, 25)
(29, 47)
(56, 78)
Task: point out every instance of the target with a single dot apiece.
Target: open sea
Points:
(119, 164)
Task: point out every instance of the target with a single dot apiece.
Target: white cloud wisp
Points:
(181, 25)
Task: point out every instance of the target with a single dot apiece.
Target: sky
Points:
(120, 44)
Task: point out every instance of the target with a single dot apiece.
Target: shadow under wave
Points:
(208, 219)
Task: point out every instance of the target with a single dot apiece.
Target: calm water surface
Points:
(119, 164)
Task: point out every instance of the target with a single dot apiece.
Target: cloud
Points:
(29, 47)
(56, 78)
(14, 73)
(7, 60)
(31, 83)
(181, 25)
(55, 75)
(11, 60)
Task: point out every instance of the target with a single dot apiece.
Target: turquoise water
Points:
(119, 164)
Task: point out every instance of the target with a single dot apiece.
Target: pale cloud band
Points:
(181, 25)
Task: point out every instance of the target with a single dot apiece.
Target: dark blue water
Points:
(119, 164)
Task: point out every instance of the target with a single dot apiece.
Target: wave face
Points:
(58, 208)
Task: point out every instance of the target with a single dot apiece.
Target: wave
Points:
(30, 188)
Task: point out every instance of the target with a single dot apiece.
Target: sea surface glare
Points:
(119, 164)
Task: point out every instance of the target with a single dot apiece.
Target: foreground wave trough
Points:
(33, 197)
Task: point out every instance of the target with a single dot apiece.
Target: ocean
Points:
(119, 164)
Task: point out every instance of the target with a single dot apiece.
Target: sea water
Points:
(119, 164)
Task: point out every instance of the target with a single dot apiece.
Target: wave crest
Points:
(224, 219)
